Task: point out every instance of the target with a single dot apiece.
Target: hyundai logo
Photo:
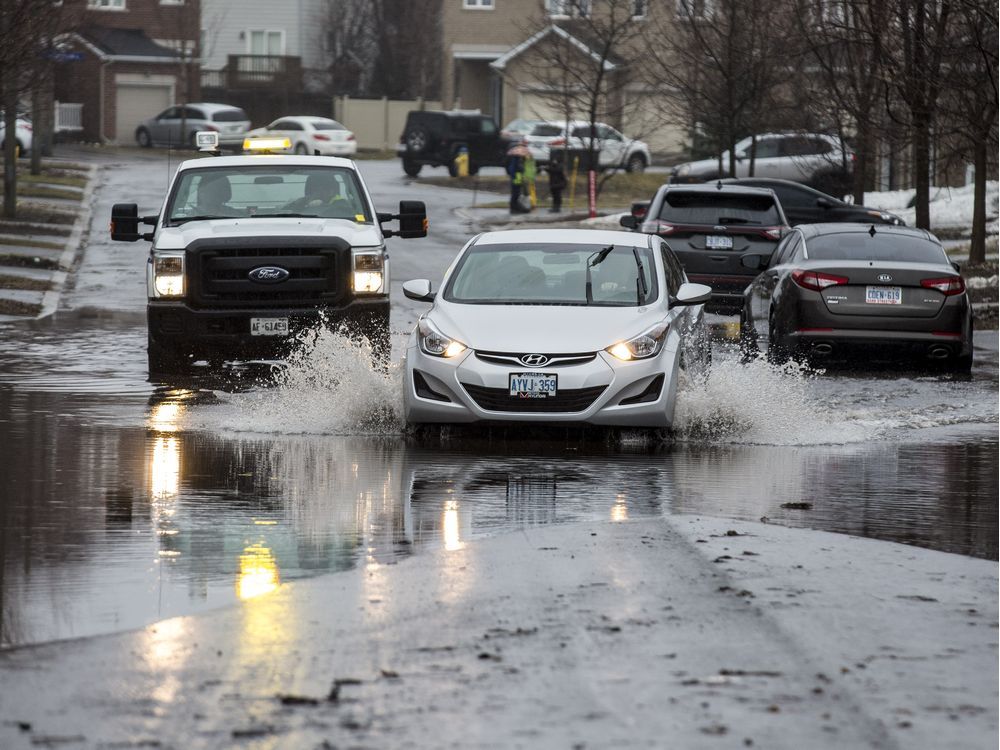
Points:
(534, 360)
(268, 275)
(884, 277)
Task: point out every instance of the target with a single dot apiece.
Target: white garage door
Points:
(537, 107)
(135, 103)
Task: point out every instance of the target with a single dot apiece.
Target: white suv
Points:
(614, 149)
(816, 159)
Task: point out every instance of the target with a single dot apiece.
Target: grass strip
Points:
(31, 243)
(28, 261)
(19, 228)
(50, 178)
(15, 307)
(24, 283)
(42, 191)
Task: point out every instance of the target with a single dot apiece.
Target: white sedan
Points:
(317, 136)
(556, 325)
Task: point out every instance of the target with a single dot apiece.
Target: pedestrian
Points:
(557, 183)
(530, 173)
(515, 169)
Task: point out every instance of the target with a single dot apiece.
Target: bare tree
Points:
(348, 44)
(407, 43)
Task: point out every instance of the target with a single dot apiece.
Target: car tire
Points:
(749, 349)
(411, 168)
(473, 170)
(301, 149)
(163, 361)
(776, 353)
(962, 365)
(143, 139)
(452, 169)
(636, 163)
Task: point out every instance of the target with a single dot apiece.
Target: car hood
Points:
(358, 235)
(547, 329)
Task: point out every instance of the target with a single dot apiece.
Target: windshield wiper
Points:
(284, 216)
(204, 217)
(593, 260)
(641, 288)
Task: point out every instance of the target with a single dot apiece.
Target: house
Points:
(125, 61)
(491, 63)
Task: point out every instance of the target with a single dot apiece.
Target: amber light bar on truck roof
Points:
(266, 145)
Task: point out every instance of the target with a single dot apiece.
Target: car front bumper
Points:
(468, 389)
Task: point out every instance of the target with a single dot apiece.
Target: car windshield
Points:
(719, 209)
(554, 274)
(268, 190)
(881, 246)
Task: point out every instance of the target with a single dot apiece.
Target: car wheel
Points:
(452, 169)
(636, 163)
(300, 148)
(473, 169)
(142, 138)
(962, 365)
(776, 353)
(164, 361)
(411, 168)
(749, 348)
(416, 139)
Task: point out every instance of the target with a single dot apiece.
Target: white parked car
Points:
(318, 136)
(614, 150)
(231, 123)
(22, 134)
(556, 326)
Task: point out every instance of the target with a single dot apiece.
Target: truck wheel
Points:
(164, 361)
(636, 163)
(411, 168)
(142, 138)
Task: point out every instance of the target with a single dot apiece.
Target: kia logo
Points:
(534, 360)
(268, 275)
(884, 277)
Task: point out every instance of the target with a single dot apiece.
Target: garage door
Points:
(537, 107)
(135, 103)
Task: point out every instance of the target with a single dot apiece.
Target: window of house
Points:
(106, 4)
(579, 8)
(640, 8)
(265, 42)
(695, 9)
(172, 2)
(478, 4)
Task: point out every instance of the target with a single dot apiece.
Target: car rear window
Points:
(883, 246)
(719, 208)
(327, 125)
(230, 115)
(547, 130)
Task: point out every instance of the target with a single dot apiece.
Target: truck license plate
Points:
(718, 242)
(532, 385)
(884, 295)
(268, 326)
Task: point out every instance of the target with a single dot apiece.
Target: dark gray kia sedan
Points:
(834, 292)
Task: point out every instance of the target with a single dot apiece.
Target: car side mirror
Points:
(628, 221)
(957, 266)
(754, 261)
(412, 220)
(125, 222)
(691, 294)
(823, 203)
(419, 290)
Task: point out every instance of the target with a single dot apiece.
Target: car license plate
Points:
(532, 385)
(716, 242)
(884, 295)
(268, 326)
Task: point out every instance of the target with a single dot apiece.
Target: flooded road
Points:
(124, 502)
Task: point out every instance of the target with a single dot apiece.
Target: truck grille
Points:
(316, 276)
(568, 400)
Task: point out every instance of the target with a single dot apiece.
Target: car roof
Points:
(561, 236)
(305, 118)
(245, 160)
(210, 106)
(816, 230)
(714, 187)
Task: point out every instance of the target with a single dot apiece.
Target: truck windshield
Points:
(245, 192)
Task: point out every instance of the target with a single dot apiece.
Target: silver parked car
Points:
(231, 123)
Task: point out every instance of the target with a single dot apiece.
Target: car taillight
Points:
(350, 137)
(773, 233)
(948, 286)
(213, 128)
(815, 280)
(655, 226)
(557, 142)
(321, 137)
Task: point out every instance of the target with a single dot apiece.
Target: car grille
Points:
(219, 277)
(554, 360)
(568, 400)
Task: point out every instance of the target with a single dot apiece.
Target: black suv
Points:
(805, 205)
(436, 138)
(709, 228)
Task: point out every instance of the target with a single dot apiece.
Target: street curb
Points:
(74, 246)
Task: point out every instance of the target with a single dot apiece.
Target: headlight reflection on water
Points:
(258, 572)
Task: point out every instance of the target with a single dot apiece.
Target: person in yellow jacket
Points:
(517, 157)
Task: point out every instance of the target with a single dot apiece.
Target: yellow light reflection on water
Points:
(258, 572)
(165, 468)
(165, 415)
(450, 526)
(619, 511)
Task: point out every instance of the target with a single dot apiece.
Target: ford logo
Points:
(268, 275)
(534, 360)
(884, 277)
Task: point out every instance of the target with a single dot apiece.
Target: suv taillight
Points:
(773, 233)
(655, 226)
(557, 142)
(815, 280)
(948, 286)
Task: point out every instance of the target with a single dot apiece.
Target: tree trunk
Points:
(39, 128)
(921, 169)
(9, 151)
(977, 247)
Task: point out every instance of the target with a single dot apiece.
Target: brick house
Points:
(127, 60)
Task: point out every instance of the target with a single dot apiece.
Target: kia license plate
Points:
(268, 326)
(532, 385)
(884, 295)
(717, 242)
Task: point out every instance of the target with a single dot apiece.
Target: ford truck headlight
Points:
(435, 343)
(369, 273)
(647, 344)
(168, 275)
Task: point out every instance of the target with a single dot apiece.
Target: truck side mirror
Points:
(125, 222)
(629, 222)
(412, 220)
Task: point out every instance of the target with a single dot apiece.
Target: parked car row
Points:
(22, 134)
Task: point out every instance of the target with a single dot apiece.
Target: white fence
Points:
(377, 123)
(69, 117)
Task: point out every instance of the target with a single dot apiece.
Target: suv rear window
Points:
(230, 115)
(719, 208)
(547, 130)
(883, 246)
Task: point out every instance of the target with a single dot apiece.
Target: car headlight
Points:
(647, 344)
(168, 276)
(368, 273)
(435, 343)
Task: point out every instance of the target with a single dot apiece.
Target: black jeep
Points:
(435, 138)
